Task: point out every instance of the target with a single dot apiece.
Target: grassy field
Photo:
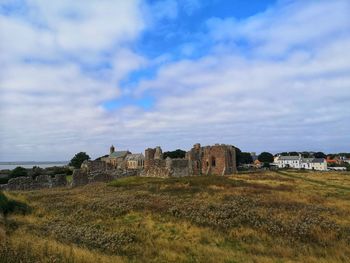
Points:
(258, 217)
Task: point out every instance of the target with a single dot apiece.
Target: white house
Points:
(298, 162)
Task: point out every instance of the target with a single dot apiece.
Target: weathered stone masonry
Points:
(219, 159)
(40, 182)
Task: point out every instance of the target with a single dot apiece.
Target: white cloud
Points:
(294, 101)
(50, 104)
(295, 23)
(287, 88)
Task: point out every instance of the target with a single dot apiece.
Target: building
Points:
(298, 162)
(116, 158)
(334, 161)
(135, 161)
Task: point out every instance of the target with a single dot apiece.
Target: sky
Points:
(263, 75)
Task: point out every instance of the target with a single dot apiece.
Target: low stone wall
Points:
(82, 177)
(59, 180)
(167, 168)
(156, 168)
(40, 182)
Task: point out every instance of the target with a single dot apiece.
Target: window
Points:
(213, 161)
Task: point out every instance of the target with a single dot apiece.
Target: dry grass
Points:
(260, 217)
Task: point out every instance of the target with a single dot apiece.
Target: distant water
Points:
(13, 165)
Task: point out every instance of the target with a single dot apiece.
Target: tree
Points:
(293, 154)
(306, 154)
(18, 172)
(265, 157)
(320, 155)
(78, 159)
(175, 154)
(245, 158)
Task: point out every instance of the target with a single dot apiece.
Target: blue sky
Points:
(261, 75)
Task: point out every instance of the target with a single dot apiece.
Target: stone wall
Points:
(177, 167)
(59, 180)
(82, 177)
(92, 166)
(40, 182)
(79, 178)
(156, 166)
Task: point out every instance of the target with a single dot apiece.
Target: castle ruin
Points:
(219, 159)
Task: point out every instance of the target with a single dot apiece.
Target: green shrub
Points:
(18, 172)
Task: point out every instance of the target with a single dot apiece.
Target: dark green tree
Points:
(78, 159)
(175, 154)
(245, 158)
(306, 154)
(265, 157)
(320, 155)
(18, 172)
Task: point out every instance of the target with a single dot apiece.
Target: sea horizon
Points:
(9, 165)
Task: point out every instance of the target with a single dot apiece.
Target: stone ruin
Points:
(40, 182)
(219, 159)
(98, 171)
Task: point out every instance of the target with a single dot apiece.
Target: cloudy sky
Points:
(260, 74)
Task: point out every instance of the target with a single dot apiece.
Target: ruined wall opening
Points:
(213, 162)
